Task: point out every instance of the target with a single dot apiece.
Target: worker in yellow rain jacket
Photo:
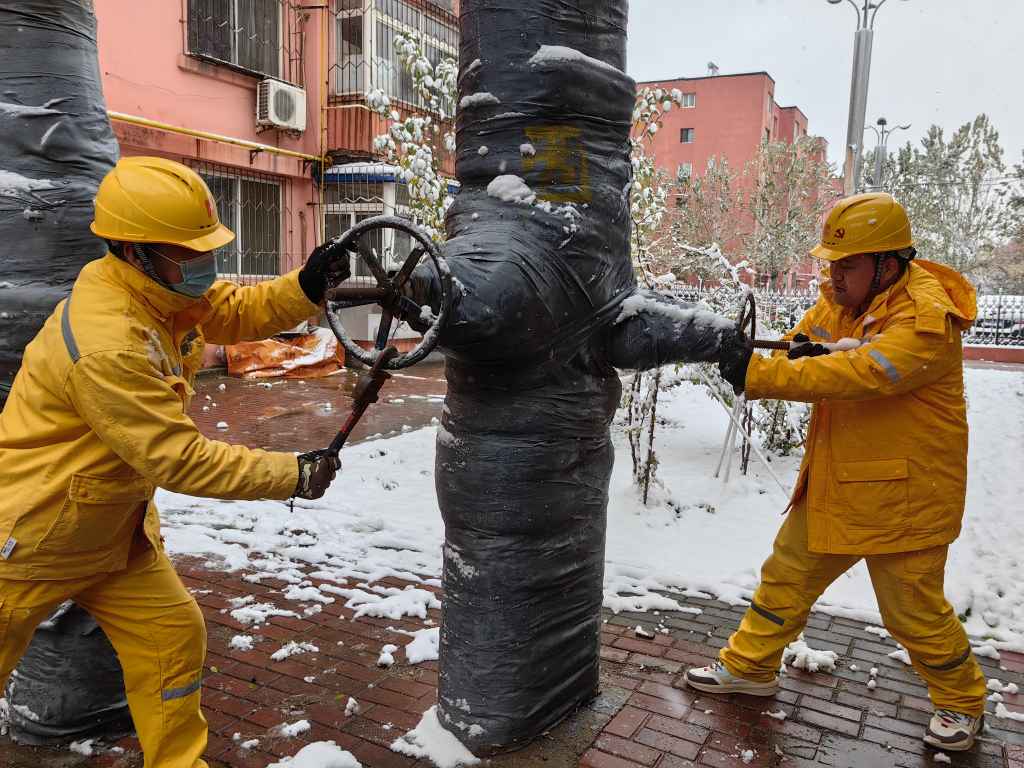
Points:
(96, 421)
(885, 465)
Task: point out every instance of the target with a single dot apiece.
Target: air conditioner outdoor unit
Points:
(281, 105)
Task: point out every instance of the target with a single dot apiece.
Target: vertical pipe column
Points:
(539, 245)
(57, 146)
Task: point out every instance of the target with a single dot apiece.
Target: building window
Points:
(684, 171)
(365, 33)
(686, 135)
(251, 208)
(253, 35)
(689, 100)
(359, 191)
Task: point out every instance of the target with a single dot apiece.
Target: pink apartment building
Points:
(184, 79)
(253, 94)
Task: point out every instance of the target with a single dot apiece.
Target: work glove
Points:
(316, 472)
(733, 358)
(802, 346)
(326, 266)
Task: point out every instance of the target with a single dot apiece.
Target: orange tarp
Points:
(309, 356)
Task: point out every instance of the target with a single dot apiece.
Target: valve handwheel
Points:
(389, 292)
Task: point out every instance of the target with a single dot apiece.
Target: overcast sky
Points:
(933, 61)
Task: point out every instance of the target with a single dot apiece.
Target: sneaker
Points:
(953, 731)
(717, 679)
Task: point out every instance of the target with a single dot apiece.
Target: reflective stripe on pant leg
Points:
(158, 632)
(791, 580)
(909, 588)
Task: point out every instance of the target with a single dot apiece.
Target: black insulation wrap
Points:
(69, 684)
(524, 455)
(56, 145)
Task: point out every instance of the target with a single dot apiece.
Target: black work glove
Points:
(326, 266)
(733, 358)
(802, 346)
(316, 472)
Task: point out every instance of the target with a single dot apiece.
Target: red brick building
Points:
(727, 116)
(723, 116)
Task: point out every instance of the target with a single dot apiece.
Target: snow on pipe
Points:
(57, 146)
(539, 245)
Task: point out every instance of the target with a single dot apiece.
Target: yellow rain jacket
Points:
(885, 461)
(96, 420)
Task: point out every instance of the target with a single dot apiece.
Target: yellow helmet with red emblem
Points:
(870, 223)
(155, 200)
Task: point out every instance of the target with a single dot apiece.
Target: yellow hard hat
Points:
(154, 200)
(868, 223)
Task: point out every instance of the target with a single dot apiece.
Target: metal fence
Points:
(1000, 318)
(1000, 322)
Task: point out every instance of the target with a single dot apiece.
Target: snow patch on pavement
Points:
(424, 646)
(800, 655)
(430, 740)
(319, 754)
(696, 535)
(293, 648)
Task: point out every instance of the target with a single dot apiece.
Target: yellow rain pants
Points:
(158, 632)
(909, 589)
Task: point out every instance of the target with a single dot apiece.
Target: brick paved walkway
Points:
(643, 718)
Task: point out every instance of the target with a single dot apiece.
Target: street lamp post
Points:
(866, 12)
(883, 134)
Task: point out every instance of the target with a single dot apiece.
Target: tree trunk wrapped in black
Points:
(56, 145)
(539, 246)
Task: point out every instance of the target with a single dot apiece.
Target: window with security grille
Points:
(249, 34)
(367, 57)
(686, 135)
(358, 198)
(251, 208)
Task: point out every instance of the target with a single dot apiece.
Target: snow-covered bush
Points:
(414, 142)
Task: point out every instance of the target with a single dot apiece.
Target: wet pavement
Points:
(305, 414)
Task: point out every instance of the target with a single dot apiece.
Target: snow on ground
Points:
(800, 655)
(698, 535)
(430, 740)
(319, 754)
(424, 645)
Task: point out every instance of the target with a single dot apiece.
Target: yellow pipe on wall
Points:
(250, 145)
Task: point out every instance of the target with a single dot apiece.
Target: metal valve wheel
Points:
(388, 292)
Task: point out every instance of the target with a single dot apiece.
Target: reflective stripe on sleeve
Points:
(887, 366)
(65, 331)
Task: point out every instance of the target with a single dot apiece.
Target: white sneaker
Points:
(953, 731)
(717, 679)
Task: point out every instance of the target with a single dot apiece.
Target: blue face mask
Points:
(197, 275)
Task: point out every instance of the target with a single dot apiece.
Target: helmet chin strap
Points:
(876, 281)
(143, 255)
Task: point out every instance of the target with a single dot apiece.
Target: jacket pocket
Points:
(95, 513)
(872, 494)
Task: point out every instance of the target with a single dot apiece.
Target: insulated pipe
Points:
(57, 146)
(538, 244)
